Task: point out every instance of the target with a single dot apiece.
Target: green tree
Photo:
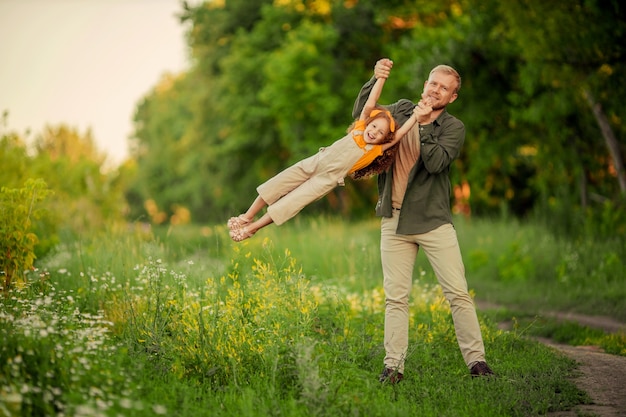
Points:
(570, 77)
(273, 81)
(87, 195)
(165, 147)
(13, 156)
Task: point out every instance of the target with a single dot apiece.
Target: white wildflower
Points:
(126, 403)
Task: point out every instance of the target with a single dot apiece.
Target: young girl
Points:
(368, 149)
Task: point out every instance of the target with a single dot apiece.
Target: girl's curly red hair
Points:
(383, 162)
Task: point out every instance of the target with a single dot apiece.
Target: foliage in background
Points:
(273, 81)
(86, 194)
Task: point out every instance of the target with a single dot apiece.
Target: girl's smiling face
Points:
(376, 131)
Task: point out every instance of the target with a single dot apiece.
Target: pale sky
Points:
(86, 63)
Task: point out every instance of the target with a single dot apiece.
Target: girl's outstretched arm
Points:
(372, 99)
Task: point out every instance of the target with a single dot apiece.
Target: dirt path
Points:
(602, 376)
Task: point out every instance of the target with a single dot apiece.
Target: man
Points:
(414, 202)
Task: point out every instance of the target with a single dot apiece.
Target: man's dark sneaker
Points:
(390, 376)
(481, 369)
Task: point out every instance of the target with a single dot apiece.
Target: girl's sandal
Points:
(238, 222)
(240, 234)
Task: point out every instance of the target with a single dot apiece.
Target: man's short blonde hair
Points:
(447, 69)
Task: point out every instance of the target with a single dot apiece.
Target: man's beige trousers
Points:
(398, 254)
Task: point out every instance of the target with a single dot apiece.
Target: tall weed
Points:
(19, 208)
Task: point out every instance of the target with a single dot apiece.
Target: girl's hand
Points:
(422, 111)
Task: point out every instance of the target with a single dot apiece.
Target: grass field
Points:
(183, 322)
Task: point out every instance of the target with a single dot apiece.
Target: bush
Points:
(18, 209)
